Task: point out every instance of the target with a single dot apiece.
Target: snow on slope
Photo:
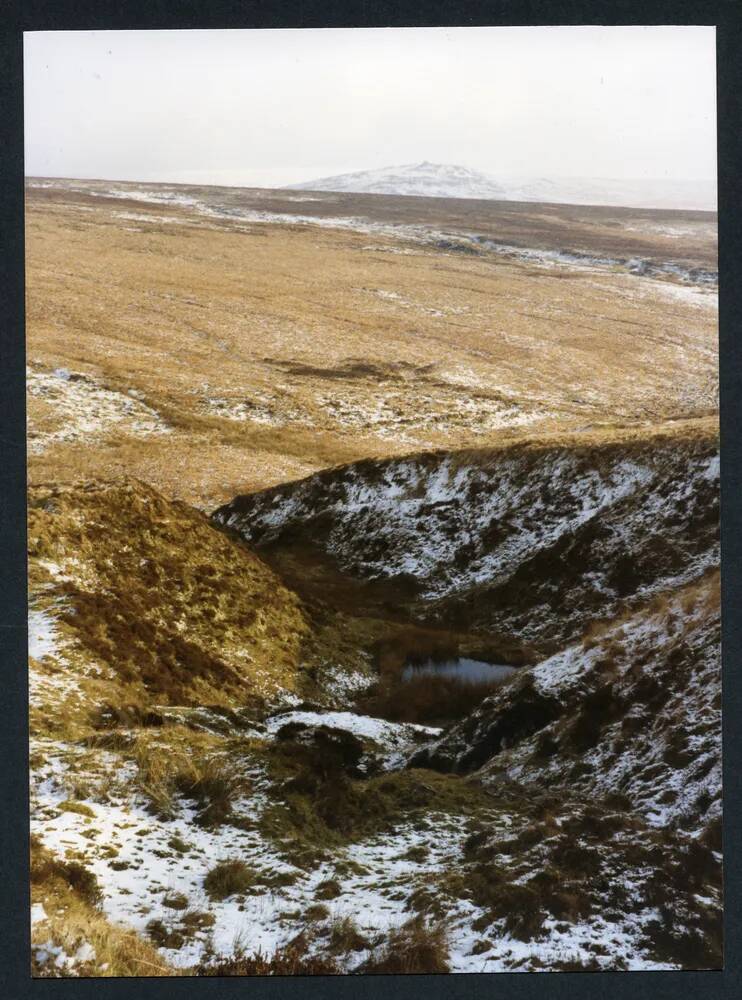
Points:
(503, 910)
(630, 717)
(428, 180)
(638, 705)
(438, 180)
(527, 540)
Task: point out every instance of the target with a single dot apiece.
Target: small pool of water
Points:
(463, 669)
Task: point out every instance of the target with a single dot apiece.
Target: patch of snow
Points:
(42, 634)
(395, 739)
(700, 298)
(155, 219)
(85, 953)
(341, 685)
(87, 409)
(262, 408)
(385, 415)
(379, 730)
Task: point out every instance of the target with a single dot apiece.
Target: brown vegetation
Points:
(243, 318)
(70, 895)
(318, 803)
(427, 699)
(229, 878)
(289, 961)
(178, 612)
(418, 946)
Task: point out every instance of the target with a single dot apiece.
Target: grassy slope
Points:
(153, 606)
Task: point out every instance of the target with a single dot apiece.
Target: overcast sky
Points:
(281, 106)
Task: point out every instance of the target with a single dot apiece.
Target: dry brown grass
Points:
(177, 611)
(70, 896)
(182, 765)
(294, 315)
(46, 870)
(418, 946)
(345, 937)
(289, 961)
(229, 878)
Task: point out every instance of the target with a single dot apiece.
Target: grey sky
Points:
(274, 107)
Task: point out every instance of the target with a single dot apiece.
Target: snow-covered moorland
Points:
(447, 699)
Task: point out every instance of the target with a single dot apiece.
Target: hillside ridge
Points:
(445, 180)
(525, 540)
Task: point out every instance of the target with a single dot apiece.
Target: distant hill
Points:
(441, 180)
(428, 180)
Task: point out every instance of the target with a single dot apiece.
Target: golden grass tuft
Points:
(69, 896)
(229, 878)
(417, 946)
(185, 767)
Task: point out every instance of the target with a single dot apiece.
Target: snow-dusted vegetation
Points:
(373, 556)
(461, 529)
(76, 408)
